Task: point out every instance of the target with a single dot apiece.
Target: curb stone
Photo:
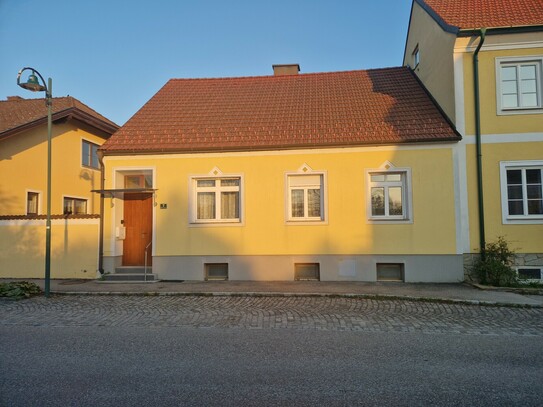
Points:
(381, 297)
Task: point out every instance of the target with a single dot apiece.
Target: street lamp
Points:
(34, 85)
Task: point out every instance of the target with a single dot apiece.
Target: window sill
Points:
(520, 111)
(380, 221)
(200, 224)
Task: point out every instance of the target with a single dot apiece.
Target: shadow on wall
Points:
(74, 249)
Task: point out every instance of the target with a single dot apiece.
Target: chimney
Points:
(13, 98)
(286, 69)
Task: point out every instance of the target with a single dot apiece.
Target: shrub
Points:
(18, 289)
(495, 266)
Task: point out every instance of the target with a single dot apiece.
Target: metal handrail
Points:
(145, 263)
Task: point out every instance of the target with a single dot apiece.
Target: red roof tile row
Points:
(380, 106)
(473, 14)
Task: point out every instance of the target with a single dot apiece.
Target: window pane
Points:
(509, 87)
(527, 72)
(32, 203)
(68, 206)
(229, 205)
(535, 207)
(394, 177)
(514, 192)
(529, 100)
(85, 156)
(133, 181)
(528, 86)
(314, 202)
(297, 203)
(533, 176)
(395, 201)
(206, 205)
(509, 101)
(205, 183)
(514, 177)
(94, 156)
(230, 182)
(516, 208)
(378, 178)
(378, 201)
(534, 191)
(509, 73)
(80, 207)
(148, 181)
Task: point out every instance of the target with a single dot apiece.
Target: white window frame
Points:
(405, 183)
(78, 198)
(416, 56)
(517, 165)
(529, 280)
(516, 61)
(305, 171)
(91, 144)
(217, 189)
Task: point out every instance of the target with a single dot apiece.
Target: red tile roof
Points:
(380, 106)
(17, 114)
(471, 14)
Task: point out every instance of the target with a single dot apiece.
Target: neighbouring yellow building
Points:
(482, 61)
(77, 132)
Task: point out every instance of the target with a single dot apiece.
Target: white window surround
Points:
(388, 168)
(306, 180)
(518, 165)
(217, 189)
(501, 62)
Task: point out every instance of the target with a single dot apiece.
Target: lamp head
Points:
(33, 84)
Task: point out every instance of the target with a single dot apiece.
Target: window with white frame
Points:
(216, 199)
(75, 206)
(522, 190)
(32, 200)
(305, 197)
(416, 57)
(388, 195)
(89, 155)
(519, 84)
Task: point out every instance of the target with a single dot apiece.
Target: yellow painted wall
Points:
(23, 167)
(264, 229)
(436, 67)
(74, 249)
(524, 238)
(491, 122)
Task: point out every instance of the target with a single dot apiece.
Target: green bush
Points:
(18, 289)
(495, 265)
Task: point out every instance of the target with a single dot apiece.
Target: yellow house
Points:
(482, 61)
(77, 133)
(330, 176)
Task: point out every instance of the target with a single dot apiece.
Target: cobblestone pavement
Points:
(307, 313)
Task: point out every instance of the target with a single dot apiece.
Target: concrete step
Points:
(128, 277)
(133, 270)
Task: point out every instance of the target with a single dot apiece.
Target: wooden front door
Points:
(138, 221)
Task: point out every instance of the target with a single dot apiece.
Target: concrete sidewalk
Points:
(421, 291)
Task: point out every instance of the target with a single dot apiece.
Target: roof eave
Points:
(469, 32)
(64, 114)
(124, 152)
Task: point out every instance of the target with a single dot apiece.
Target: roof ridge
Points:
(289, 76)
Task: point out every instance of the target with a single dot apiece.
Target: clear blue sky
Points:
(115, 55)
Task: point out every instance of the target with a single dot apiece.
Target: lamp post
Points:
(34, 85)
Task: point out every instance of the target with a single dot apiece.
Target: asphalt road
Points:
(58, 359)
